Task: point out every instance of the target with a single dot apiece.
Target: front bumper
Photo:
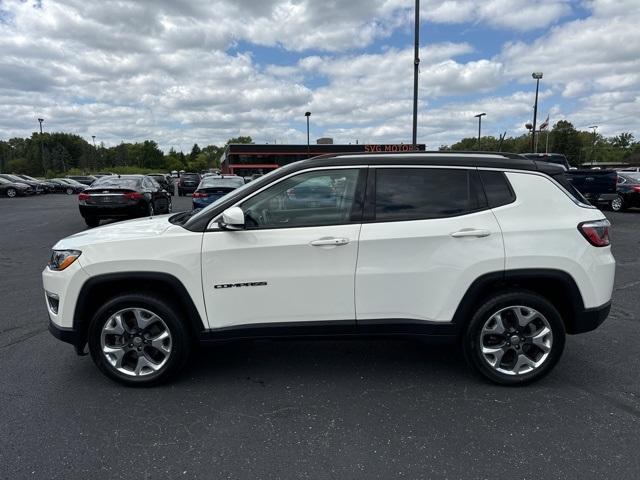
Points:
(589, 319)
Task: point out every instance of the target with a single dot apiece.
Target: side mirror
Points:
(232, 219)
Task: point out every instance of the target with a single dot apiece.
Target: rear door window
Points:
(425, 193)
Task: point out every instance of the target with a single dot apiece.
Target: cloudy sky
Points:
(185, 71)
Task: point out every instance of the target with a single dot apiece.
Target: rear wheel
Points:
(617, 204)
(92, 221)
(515, 338)
(138, 339)
(69, 191)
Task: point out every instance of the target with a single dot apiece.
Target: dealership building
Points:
(247, 159)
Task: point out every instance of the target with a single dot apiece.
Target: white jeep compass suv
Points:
(494, 251)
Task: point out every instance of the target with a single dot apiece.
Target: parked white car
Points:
(497, 252)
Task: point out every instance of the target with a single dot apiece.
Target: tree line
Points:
(579, 146)
(53, 154)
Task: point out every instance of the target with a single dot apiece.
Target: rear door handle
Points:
(323, 242)
(471, 232)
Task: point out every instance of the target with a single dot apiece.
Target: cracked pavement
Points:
(302, 409)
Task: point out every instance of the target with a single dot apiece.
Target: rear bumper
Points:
(113, 211)
(589, 319)
(602, 198)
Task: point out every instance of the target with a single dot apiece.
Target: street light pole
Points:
(593, 144)
(93, 137)
(44, 168)
(479, 117)
(416, 67)
(308, 114)
(537, 76)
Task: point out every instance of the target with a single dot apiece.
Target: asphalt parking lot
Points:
(330, 409)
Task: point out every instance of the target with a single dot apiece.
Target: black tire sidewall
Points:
(180, 340)
(471, 337)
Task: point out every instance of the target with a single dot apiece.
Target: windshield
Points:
(233, 193)
(117, 182)
(221, 182)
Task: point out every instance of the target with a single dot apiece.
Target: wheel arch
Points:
(557, 286)
(98, 289)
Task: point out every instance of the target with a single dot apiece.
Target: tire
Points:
(11, 192)
(152, 357)
(169, 206)
(150, 209)
(497, 355)
(618, 204)
(69, 191)
(92, 221)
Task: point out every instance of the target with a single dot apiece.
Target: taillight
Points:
(596, 232)
(200, 195)
(133, 195)
(636, 188)
(83, 197)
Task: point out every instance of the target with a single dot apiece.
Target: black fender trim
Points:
(556, 285)
(96, 286)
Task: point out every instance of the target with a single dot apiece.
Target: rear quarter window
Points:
(496, 188)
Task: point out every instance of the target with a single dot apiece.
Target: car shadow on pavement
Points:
(328, 361)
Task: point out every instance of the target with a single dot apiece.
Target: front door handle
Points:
(331, 241)
(471, 232)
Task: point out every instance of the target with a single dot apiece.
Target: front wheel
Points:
(515, 338)
(617, 204)
(138, 340)
(69, 191)
(11, 192)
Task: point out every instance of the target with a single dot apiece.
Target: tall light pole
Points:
(537, 76)
(416, 65)
(308, 114)
(479, 117)
(95, 163)
(593, 144)
(44, 168)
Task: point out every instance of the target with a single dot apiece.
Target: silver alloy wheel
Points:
(69, 191)
(616, 204)
(11, 193)
(170, 207)
(516, 340)
(150, 210)
(136, 342)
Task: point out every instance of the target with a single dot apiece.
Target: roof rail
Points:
(421, 152)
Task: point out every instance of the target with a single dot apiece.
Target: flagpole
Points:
(546, 150)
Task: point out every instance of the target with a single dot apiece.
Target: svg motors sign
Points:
(393, 147)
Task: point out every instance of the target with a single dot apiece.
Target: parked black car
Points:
(37, 186)
(84, 179)
(123, 196)
(14, 189)
(164, 180)
(188, 183)
(68, 186)
(628, 191)
(48, 186)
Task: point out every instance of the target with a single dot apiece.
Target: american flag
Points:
(544, 125)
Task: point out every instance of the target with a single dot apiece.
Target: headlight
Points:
(61, 259)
